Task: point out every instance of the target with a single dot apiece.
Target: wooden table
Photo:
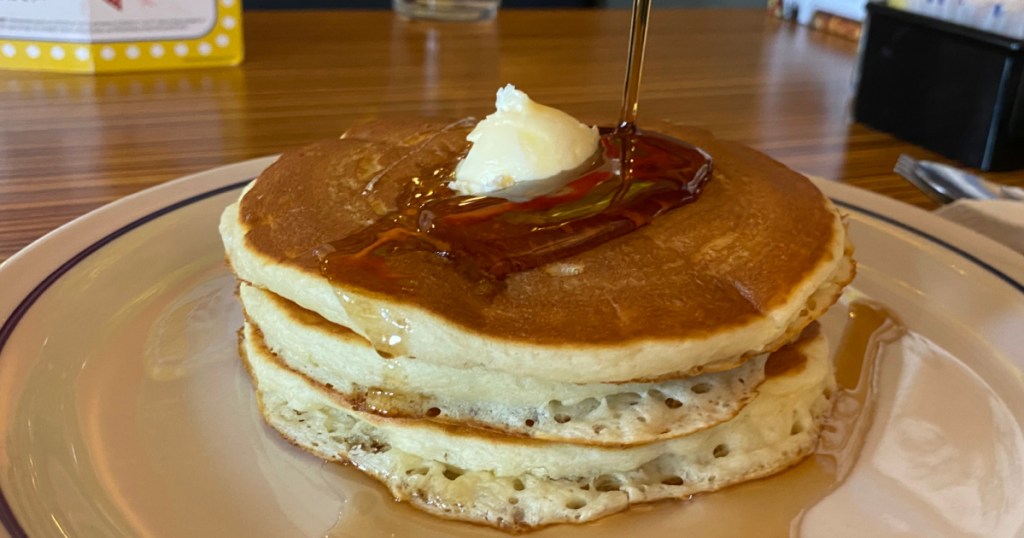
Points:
(70, 143)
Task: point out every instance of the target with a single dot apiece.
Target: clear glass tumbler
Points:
(447, 10)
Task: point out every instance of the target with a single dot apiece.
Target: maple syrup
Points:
(492, 237)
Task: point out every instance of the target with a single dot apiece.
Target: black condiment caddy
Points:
(955, 90)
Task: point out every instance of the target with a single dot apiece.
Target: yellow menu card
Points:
(98, 36)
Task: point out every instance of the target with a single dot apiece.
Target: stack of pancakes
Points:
(680, 358)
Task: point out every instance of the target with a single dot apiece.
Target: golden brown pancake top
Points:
(757, 231)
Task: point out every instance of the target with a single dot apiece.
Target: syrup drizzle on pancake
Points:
(490, 237)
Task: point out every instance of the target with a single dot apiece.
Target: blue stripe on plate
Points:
(6, 514)
(11, 523)
(1019, 286)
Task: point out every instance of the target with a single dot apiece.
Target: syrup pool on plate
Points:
(893, 421)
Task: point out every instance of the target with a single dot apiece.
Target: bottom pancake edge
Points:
(523, 486)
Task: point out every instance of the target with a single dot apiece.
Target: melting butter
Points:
(522, 141)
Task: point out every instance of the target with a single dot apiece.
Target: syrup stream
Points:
(635, 177)
(634, 65)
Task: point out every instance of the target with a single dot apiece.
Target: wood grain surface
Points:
(70, 143)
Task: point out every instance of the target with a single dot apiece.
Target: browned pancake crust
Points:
(754, 235)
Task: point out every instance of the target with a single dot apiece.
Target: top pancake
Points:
(725, 277)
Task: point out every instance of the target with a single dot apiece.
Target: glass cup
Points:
(447, 10)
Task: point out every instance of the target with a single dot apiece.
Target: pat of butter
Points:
(522, 141)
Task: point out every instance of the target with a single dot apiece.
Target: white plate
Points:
(124, 410)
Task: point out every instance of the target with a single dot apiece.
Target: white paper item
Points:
(98, 36)
(1001, 220)
(101, 21)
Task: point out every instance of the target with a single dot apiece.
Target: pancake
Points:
(523, 406)
(738, 273)
(469, 474)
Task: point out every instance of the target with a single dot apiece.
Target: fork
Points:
(945, 183)
(906, 166)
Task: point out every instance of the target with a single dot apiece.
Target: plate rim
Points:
(63, 248)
